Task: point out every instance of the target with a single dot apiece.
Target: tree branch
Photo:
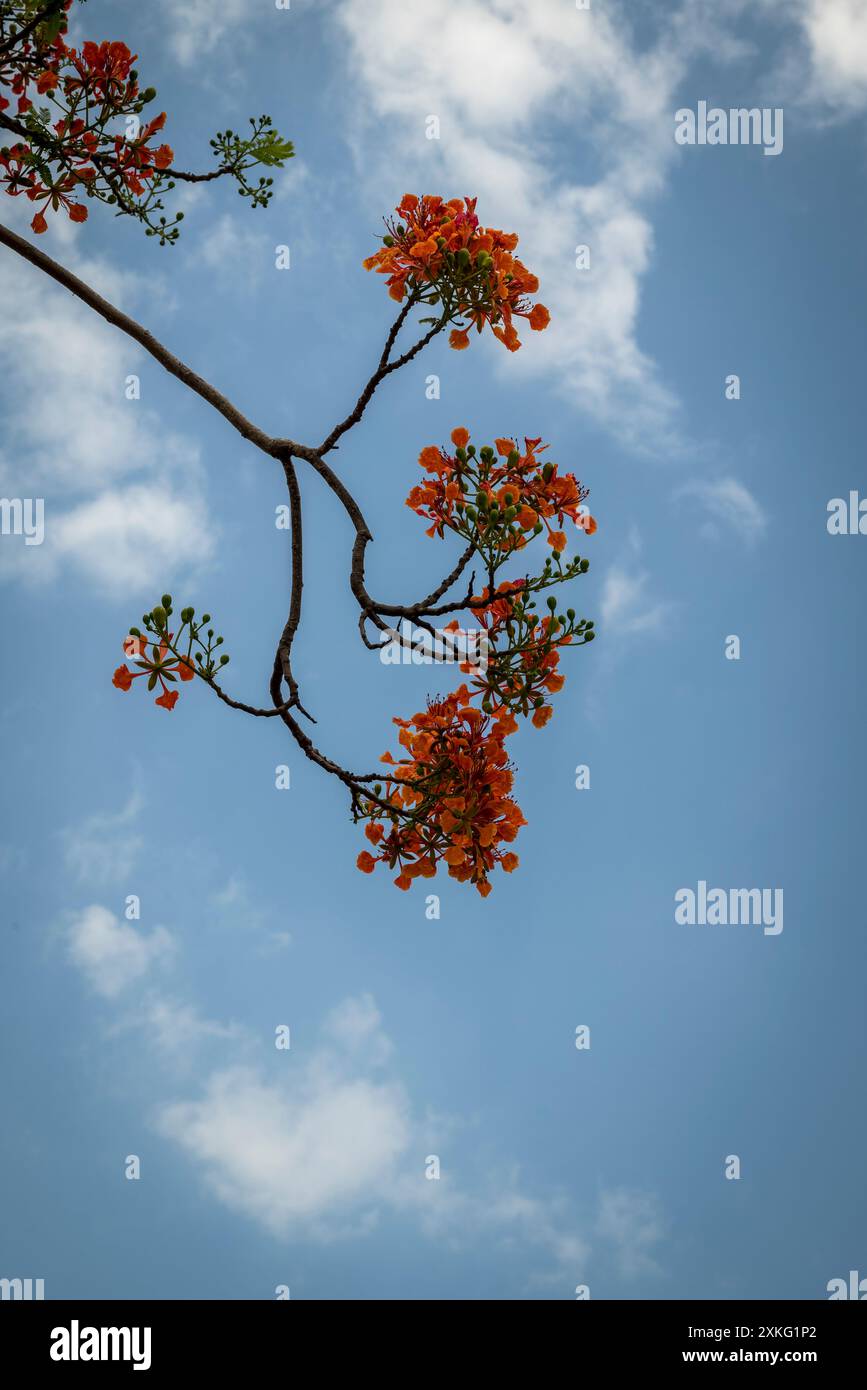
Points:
(384, 369)
(275, 448)
(23, 34)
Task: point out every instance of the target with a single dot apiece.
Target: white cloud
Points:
(356, 1024)
(197, 27)
(515, 88)
(323, 1143)
(319, 1147)
(104, 847)
(112, 954)
(729, 502)
(324, 1149)
(294, 1150)
(632, 1222)
(124, 495)
(836, 31)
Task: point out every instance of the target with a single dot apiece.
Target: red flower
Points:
(162, 666)
(435, 245)
(448, 801)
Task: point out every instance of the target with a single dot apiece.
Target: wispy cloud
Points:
(629, 606)
(113, 954)
(633, 1224)
(198, 27)
(237, 907)
(329, 1141)
(729, 505)
(104, 847)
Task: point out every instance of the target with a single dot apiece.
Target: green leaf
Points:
(272, 151)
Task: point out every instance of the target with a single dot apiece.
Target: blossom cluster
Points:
(64, 104)
(498, 499)
(438, 252)
(448, 800)
(167, 663)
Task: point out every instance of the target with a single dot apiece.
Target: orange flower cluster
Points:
(447, 801)
(91, 88)
(160, 667)
(439, 249)
(521, 675)
(499, 500)
(166, 662)
(450, 797)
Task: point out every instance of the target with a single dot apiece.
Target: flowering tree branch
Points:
(67, 104)
(447, 800)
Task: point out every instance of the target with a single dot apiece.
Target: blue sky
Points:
(560, 1167)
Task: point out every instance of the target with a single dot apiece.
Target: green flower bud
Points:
(588, 636)
(463, 258)
(388, 240)
(167, 601)
(552, 603)
(547, 472)
(514, 458)
(148, 94)
(159, 616)
(584, 566)
(537, 528)
(461, 454)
